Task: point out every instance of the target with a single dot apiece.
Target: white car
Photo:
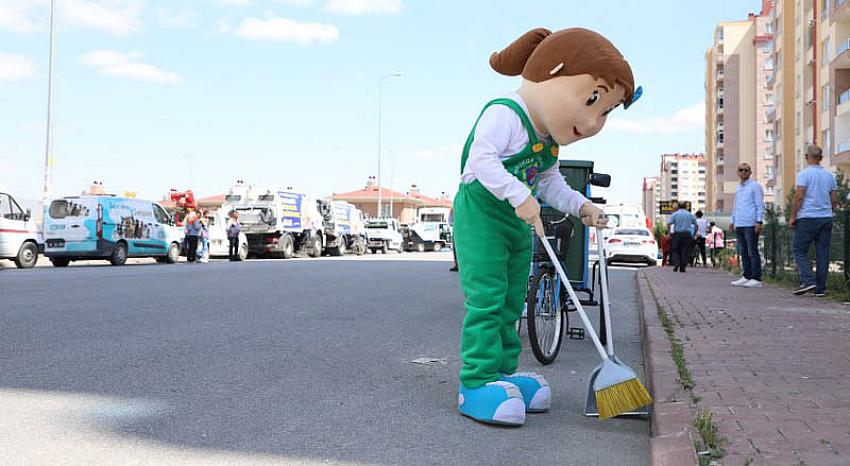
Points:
(19, 237)
(633, 245)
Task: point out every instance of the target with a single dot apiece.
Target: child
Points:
(572, 80)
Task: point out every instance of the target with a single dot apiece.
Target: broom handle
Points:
(606, 304)
(538, 227)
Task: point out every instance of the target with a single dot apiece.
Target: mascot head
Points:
(572, 80)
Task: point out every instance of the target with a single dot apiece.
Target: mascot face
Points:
(573, 107)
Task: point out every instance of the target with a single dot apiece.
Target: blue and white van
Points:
(110, 228)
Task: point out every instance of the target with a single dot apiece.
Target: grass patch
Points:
(677, 352)
(710, 443)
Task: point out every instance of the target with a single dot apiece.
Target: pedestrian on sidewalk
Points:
(233, 230)
(716, 242)
(747, 221)
(193, 232)
(683, 225)
(665, 249)
(699, 242)
(811, 220)
(204, 238)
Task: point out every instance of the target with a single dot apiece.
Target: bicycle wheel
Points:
(545, 317)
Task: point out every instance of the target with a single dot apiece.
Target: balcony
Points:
(810, 95)
(842, 12)
(842, 56)
(843, 106)
(771, 77)
(771, 114)
(842, 154)
(810, 55)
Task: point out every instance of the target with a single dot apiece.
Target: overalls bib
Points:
(493, 248)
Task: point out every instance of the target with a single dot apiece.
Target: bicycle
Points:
(547, 303)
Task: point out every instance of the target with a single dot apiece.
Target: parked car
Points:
(110, 228)
(632, 245)
(19, 237)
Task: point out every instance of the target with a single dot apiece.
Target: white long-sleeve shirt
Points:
(499, 136)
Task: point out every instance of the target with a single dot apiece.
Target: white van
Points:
(19, 238)
(219, 244)
(110, 228)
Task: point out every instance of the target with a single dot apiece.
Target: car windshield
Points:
(631, 232)
(253, 215)
(432, 217)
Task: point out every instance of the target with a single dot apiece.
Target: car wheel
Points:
(27, 256)
(243, 252)
(316, 246)
(420, 247)
(119, 254)
(173, 254)
(287, 246)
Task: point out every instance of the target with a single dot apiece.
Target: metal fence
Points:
(776, 244)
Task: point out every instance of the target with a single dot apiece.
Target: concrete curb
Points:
(671, 442)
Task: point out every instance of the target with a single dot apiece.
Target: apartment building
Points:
(651, 194)
(740, 106)
(683, 177)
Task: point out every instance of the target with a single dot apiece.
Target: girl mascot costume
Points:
(572, 80)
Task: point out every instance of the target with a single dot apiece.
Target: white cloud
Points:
(691, 118)
(21, 16)
(234, 2)
(15, 67)
(112, 63)
(176, 18)
(299, 3)
(360, 7)
(439, 153)
(284, 29)
(119, 17)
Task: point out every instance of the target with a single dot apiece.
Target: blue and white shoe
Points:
(493, 403)
(535, 390)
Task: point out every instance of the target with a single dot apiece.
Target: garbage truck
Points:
(431, 232)
(384, 234)
(277, 222)
(344, 229)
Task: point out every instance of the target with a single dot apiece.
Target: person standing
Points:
(193, 231)
(699, 242)
(747, 222)
(204, 238)
(716, 242)
(233, 230)
(681, 224)
(811, 220)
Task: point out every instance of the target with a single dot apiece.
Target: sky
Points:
(151, 95)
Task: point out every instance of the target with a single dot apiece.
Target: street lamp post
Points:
(48, 150)
(397, 74)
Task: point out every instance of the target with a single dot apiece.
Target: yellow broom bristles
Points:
(621, 398)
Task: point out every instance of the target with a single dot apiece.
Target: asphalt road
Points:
(274, 362)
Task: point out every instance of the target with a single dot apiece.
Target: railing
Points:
(842, 47)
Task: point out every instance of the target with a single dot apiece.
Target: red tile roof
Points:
(372, 194)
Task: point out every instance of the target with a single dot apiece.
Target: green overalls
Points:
(494, 256)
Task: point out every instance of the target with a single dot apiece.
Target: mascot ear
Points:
(511, 61)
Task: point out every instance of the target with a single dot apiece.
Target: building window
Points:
(770, 191)
(827, 94)
(768, 63)
(826, 51)
(768, 134)
(768, 154)
(825, 142)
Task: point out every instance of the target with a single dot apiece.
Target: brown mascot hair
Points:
(539, 55)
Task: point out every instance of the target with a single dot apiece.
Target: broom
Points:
(616, 387)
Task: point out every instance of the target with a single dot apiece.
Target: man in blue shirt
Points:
(682, 226)
(811, 218)
(747, 221)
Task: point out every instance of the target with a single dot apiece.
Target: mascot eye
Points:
(593, 98)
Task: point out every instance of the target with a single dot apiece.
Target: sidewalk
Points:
(773, 368)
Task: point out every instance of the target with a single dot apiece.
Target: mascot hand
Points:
(592, 216)
(529, 210)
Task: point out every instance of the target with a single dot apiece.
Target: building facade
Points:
(683, 178)
(651, 196)
(800, 92)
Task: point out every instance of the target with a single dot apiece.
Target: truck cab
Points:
(431, 232)
(19, 237)
(344, 229)
(384, 234)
